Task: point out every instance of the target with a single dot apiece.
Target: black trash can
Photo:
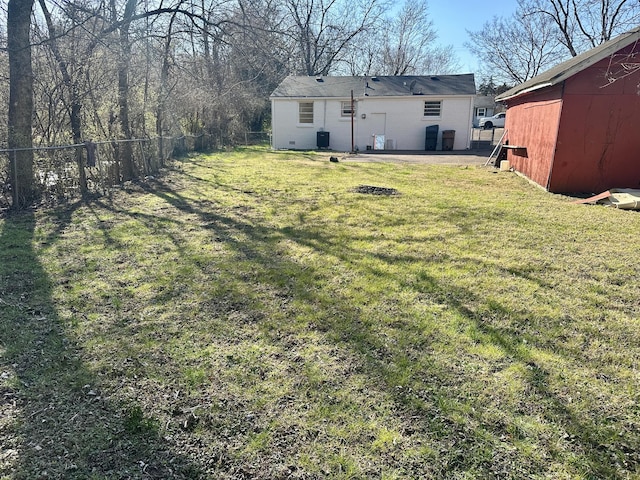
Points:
(431, 137)
(448, 136)
(322, 139)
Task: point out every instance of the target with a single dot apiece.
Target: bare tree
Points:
(544, 32)
(227, 66)
(404, 44)
(164, 87)
(124, 59)
(20, 101)
(322, 30)
(408, 39)
(516, 49)
(72, 101)
(583, 24)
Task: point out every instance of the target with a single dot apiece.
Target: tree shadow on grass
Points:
(605, 453)
(56, 422)
(342, 324)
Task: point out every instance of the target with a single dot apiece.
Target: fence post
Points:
(145, 167)
(82, 176)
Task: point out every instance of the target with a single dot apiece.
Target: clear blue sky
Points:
(452, 19)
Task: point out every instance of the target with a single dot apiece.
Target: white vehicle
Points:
(492, 122)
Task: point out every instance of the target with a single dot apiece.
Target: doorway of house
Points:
(378, 126)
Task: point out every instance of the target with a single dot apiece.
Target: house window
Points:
(432, 109)
(481, 112)
(305, 112)
(346, 110)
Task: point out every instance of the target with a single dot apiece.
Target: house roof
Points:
(486, 101)
(374, 86)
(574, 65)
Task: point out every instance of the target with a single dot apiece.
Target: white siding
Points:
(404, 122)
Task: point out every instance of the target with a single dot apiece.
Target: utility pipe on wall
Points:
(353, 148)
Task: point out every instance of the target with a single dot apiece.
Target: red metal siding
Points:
(532, 122)
(598, 146)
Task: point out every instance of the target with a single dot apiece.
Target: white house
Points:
(484, 106)
(390, 113)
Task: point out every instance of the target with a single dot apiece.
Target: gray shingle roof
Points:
(486, 101)
(341, 87)
(574, 65)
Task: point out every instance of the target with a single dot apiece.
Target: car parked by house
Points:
(492, 122)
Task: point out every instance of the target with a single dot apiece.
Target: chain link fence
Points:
(486, 140)
(57, 176)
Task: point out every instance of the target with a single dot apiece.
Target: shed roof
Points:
(574, 65)
(386, 86)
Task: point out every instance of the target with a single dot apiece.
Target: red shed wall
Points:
(532, 122)
(598, 145)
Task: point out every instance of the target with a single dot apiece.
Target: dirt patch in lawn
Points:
(373, 190)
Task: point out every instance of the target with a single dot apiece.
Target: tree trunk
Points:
(20, 101)
(126, 148)
(163, 91)
(74, 106)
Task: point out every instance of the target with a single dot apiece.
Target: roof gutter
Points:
(525, 91)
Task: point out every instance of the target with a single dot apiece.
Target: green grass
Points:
(248, 315)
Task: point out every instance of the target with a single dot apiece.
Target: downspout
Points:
(353, 144)
(273, 129)
(324, 115)
(470, 125)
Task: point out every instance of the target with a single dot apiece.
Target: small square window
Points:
(346, 110)
(305, 112)
(432, 108)
(481, 112)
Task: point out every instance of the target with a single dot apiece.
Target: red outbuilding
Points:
(576, 127)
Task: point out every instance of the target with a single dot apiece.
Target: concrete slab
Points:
(430, 158)
(482, 142)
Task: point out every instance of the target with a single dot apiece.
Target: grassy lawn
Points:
(248, 315)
